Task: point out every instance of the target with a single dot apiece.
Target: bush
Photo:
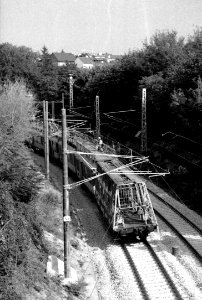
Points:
(21, 262)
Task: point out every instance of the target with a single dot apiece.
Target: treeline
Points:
(169, 66)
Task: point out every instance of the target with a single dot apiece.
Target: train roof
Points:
(119, 177)
(107, 163)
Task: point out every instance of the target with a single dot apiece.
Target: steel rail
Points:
(196, 253)
(161, 268)
(176, 211)
(135, 272)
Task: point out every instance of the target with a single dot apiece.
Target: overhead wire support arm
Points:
(74, 185)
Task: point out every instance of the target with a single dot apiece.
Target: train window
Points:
(109, 186)
(125, 197)
(83, 170)
(103, 184)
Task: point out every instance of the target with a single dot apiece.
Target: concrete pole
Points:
(66, 212)
(63, 102)
(46, 141)
(53, 110)
(46, 145)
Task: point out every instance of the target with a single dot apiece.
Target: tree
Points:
(47, 85)
(162, 51)
(18, 63)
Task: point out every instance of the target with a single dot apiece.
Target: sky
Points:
(113, 26)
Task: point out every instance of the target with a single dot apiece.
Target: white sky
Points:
(94, 25)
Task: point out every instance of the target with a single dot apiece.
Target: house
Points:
(99, 60)
(84, 62)
(63, 59)
(112, 58)
(106, 58)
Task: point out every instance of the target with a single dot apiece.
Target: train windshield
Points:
(133, 195)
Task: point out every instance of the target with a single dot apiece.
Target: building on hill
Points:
(84, 62)
(99, 60)
(63, 59)
(112, 58)
(106, 58)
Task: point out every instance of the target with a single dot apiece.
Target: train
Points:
(121, 195)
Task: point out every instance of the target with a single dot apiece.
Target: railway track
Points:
(171, 206)
(154, 280)
(184, 228)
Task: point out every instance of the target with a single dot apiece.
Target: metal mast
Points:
(66, 210)
(71, 82)
(144, 123)
(97, 111)
(46, 139)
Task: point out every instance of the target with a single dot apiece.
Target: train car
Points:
(121, 196)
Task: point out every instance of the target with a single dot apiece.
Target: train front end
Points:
(133, 211)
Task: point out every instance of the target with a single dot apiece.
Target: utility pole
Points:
(144, 123)
(53, 110)
(63, 102)
(71, 104)
(66, 212)
(97, 111)
(46, 142)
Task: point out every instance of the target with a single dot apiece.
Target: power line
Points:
(120, 120)
(120, 111)
(82, 107)
(170, 132)
(180, 156)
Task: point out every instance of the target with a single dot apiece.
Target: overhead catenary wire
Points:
(178, 135)
(73, 108)
(120, 111)
(74, 185)
(119, 120)
(78, 114)
(181, 157)
(106, 154)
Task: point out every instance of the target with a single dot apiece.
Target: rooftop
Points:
(86, 60)
(63, 57)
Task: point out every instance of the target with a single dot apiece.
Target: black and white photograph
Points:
(100, 149)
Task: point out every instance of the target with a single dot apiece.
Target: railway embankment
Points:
(31, 232)
(30, 212)
(49, 209)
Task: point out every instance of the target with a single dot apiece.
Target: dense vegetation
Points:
(24, 206)
(20, 235)
(168, 66)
